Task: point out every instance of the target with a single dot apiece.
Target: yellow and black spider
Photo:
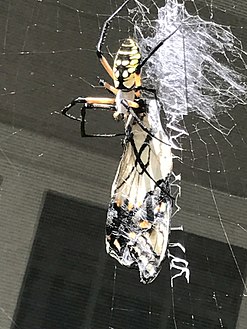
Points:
(126, 75)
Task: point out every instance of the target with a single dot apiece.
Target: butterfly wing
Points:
(138, 217)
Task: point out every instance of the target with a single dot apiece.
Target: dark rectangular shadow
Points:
(65, 265)
(71, 283)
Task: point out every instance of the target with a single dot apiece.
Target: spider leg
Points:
(106, 27)
(88, 102)
(106, 65)
(155, 49)
(73, 103)
(91, 103)
(102, 38)
(83, 120)
(109, 87)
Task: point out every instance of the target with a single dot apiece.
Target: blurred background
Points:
(55, 186)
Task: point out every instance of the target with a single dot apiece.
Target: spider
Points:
(138, 217)
(126, 75)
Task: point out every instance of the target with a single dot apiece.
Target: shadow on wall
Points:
(69, 280)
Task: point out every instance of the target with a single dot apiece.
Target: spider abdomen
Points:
(125, 64)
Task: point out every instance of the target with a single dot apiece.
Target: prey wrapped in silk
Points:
(138, 217)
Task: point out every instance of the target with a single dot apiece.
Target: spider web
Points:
(47, 58)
